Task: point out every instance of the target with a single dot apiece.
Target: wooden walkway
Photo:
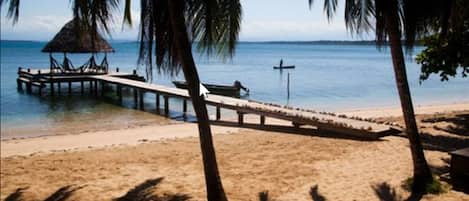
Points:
(298, 116)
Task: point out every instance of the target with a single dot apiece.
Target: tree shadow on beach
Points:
(16, 195)
(264, 196)
(315, 195)
(61, 194)
(385, 192)
(145, 192)
(295, 130)
(443, 143)
(458, 124)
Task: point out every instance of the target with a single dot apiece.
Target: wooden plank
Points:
(324, 121)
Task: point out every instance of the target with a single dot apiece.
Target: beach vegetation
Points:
(399, 24)
(446, 53)
(434, 187)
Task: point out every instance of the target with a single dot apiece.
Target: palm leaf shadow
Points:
(16, 196)
(385, 192)
(63, 193)
(264, 196)
(144, 192)
(315, 195)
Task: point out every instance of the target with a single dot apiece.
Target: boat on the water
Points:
(283, 67)
(224, 90)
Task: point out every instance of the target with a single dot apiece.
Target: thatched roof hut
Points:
(69, 41)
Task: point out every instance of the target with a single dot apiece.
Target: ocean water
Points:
(326, 77)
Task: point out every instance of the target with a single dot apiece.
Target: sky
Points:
(263, 20)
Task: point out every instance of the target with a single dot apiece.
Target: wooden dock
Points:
(298, 116)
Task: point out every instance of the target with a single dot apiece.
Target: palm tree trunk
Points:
(422, 174)
(213, 183)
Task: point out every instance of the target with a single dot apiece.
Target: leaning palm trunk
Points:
(214, 186)
(422, 174)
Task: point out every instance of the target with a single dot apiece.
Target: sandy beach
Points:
(293, 164)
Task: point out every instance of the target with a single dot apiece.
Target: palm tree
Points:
(395, 20)
(167, 29)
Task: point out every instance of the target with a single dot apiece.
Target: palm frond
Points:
(214, 24)
(13, 9)
(127, 13)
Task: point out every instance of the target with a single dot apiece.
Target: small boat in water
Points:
(281, 66)
(224, 90)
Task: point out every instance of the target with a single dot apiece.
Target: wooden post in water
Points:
(135, 97)
(58, 88)
(91, 87)
(157, 97)
(262, 120)
(96, 87)
(218, 115)
(288, 85)
(51, 88)
(240, 118)
(119, 92)
(29, 87)
(69, 88)
(142, 102)
(18, 81)
(82, 87)
(184, 108)
(19, 84)
(117, 69)
(102, 88)
(166, 106)
(40, 90)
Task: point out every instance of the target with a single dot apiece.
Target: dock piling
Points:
(28, 87)
(102, 88)
(58, 88)
(96, 87)
(184, 107)
(262, 120)
(135, 97)
(240, 118)
(142, 102)
(157, 97)
(69, 88)
(166, 106)
(19, 84)
(52, 88)
(82, 88)
(218, 115)
(119, 93)
(91, 87)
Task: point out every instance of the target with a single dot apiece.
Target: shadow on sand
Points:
(145, 192)
(296, 131)
(443, 143)
(315, 195)
(459, 124)
(61, 194)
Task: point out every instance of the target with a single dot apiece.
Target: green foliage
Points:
(447, 51)
(434, 187)
(445, 55)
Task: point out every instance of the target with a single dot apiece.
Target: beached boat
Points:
(225, 90)
(283, 67)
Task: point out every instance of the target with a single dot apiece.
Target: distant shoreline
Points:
(314, 42)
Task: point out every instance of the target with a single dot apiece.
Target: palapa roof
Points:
(68, 40)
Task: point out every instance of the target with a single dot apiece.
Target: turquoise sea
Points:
(330, 77)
